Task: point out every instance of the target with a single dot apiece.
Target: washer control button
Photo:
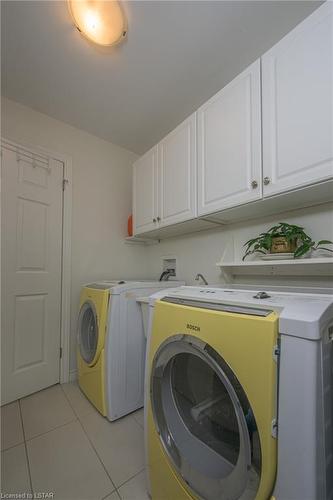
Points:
(261, 295)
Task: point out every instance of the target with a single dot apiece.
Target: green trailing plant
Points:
(292, 233)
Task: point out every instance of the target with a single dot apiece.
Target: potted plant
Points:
(284, 238)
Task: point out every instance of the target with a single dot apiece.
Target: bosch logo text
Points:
(193, 327)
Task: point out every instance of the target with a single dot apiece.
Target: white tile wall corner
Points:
(199, 252)
(102, 199)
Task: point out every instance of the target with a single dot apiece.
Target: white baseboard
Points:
(73, 375)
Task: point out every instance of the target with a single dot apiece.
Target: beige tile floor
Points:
(55, 441)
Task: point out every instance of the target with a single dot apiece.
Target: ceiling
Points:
(176, 56)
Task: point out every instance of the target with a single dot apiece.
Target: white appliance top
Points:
(304, 315)
(119, 286)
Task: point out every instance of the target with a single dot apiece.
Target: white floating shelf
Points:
(315, 266)
(136, 240)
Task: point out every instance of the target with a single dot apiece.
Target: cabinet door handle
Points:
(254, 184)
(158, 219)
(266, 181)
(154, 220)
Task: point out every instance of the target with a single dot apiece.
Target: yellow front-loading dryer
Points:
(239, 393)
(92, 324)
(211, 408)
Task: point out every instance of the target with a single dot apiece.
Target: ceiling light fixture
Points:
(103, 22)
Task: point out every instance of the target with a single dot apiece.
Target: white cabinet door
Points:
(229, 144)
(297, 93)
(145, 193)
(177, 174)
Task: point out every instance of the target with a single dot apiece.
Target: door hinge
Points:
(274, 428)
(276, 352)
(64, 183)
(60, 352)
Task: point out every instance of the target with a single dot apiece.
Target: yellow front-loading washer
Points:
(111, 344)
(92, 325)
(211, 404)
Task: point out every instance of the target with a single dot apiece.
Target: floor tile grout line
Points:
(40, 390)
(137, 421)
(14, 445)
(100, 459)
(70, 403)
(130, 479)
(97, 454)
(77, 418)
(57, 426)
(91, 444)
(141, 426)
(114, 491)
(53, 428)
(108, 494)
(2, 420)
(26, 448)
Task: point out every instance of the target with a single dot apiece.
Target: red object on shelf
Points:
(130, 225)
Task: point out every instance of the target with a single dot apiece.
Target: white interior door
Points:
(31, 273)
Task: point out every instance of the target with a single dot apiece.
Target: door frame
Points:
(65, 313)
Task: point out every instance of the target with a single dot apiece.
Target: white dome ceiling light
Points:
(102, 22)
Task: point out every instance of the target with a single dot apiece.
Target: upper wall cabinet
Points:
(229, 144)
(177, 174)
(297, 104)
(164, 181)
(145, 192)
(211, 165)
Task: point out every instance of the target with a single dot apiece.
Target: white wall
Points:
(199, 252)
(102, 184)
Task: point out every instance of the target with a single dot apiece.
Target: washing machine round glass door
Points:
(204, 420)
(88, 332)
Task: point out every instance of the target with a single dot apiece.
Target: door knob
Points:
(254, 184)
(266, 181)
